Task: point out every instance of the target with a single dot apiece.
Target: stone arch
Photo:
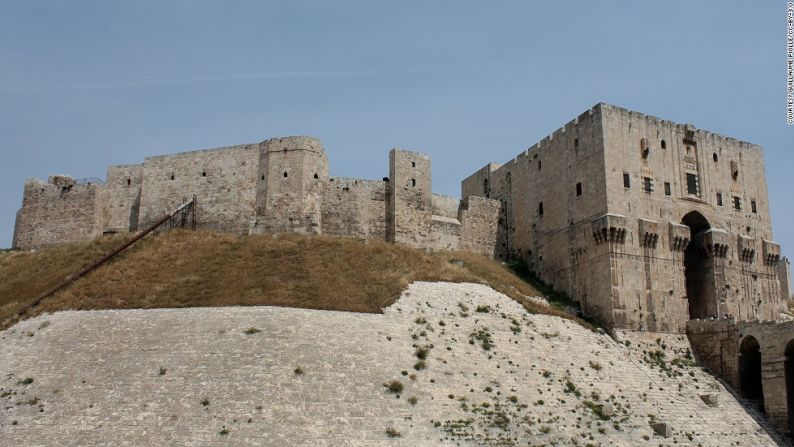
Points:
(750, 379)
(698, 269)
(789, 353)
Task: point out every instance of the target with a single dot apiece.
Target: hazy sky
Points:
(86, 84)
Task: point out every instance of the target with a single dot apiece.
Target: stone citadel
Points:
(646, 222)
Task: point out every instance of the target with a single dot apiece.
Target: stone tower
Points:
(410, 199)
(292, 172)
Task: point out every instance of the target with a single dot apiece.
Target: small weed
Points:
(26, 381)
(421, 353)
(298, 371)
(595, 365)
(413, 400)
(162, 371)
(251, 331)
(483, 309)
(395, 386)
(224, 431)
(205, 402)
(420, 365)
(393, 433)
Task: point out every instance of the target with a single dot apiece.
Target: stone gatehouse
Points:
(646, 222)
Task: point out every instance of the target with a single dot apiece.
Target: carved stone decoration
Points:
(771, 252)
(649, 233)
(715, 243)
(610, 228)
(746, 248)
(679, 236)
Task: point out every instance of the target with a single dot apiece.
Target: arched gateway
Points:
(699, 269)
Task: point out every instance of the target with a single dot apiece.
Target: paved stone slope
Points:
(491, 374)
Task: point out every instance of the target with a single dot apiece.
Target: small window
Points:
(737, 203)
(316, 176)
(734, 170)
(714, 157)
(667, 190)
(719, 199)
(753, 207)
(485, 189)
(413, 164)
(263, 176)
(129, 182)
(692, 185)
(578, 189)
(664, 144)
(575, 142)
(204, 173)
(285, 174)
(645, 150)
(626, 180)
(413, 182)
(172, 176)
(540, 208)
(647, 184)
(538, 165)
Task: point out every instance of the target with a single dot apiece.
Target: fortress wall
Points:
(223, 181)
(650, 288)
(445, 206)
(444, 234)
(123, 198)
(354, 207)
(479, 218)
(56, 211)
(556, 242)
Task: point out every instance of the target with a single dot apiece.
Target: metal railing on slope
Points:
(182, 217)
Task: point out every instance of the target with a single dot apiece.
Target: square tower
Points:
(410, 204)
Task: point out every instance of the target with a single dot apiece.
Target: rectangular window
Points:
(578, 189)
(540, 208)
(692, 185)
(737, 203)
(626, 180)
(753, 208)
(647, 184)
(667, 190)
(719, 199)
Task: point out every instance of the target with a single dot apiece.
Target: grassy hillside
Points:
(196, 269)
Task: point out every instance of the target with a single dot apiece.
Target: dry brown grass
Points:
(203, 268)
(24, 275)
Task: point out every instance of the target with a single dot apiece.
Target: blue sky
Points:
(86, 84)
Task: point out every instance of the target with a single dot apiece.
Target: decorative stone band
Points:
(679, 236)
(771, 252)
(713, 243)
(610, 228)
(649, 233)
(746, 248)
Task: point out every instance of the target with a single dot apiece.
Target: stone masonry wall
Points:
(56, 211)
(223, 181)
(354, 207)
(658, 155)
(550, 195)
(292, 173)
(123, 193)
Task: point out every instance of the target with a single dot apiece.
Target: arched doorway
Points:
(750, 372)
(790, 384)
(698, 269)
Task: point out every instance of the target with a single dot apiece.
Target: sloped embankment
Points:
(205, 268)
(448, 364)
